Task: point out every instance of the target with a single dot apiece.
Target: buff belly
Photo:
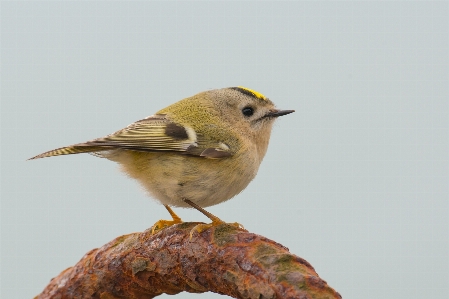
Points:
(171, 177)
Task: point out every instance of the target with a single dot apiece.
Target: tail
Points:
(73, 149)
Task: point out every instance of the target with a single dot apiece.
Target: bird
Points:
(196, 153)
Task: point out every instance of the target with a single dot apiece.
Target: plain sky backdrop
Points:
(356, 181)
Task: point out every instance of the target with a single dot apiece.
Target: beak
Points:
(276, 113)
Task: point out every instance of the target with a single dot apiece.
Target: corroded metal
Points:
(221, 259)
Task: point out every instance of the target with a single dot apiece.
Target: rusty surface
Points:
(222, 259)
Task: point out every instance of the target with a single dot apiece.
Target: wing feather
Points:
(153, 134)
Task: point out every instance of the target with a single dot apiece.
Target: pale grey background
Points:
(356, 181)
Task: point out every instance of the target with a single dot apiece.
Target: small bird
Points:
(198, 152)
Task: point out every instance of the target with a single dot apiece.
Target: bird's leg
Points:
(215, 220)
(206, 213)
(161, 224)
(173, 214)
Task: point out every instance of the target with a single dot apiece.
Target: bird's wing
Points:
(155, 133)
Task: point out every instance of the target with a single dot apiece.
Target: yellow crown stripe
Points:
(255, 93)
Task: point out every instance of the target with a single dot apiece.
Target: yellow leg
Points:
(161, 224)
(215, 220)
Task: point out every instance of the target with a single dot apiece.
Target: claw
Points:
(199, 228)
(161, 224)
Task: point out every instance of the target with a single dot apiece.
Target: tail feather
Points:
(73, 149)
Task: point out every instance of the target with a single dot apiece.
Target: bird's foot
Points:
(199, 228)
(161, 224)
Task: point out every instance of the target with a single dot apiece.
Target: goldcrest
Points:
(198, 152)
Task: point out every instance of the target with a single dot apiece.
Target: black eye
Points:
(248, 111)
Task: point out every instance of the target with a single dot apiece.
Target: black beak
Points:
(277, 113)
